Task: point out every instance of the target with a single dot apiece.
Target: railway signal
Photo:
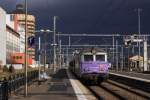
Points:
(128, 43)
(139, 39)
(31, 41)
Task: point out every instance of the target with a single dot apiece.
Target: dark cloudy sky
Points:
(88, 16)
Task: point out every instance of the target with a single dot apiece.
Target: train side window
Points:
(88, 57)
(100, 57)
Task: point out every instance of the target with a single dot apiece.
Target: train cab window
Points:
(88, 57)
(100, 57)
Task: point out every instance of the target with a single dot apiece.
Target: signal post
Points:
(137, 38)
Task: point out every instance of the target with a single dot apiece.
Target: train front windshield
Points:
(100, 57)
(95, 57)
(88, 57)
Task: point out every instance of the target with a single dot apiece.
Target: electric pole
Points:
(54, 44)
(116, 55)
(26, 53)
(60, 56)
(45, 52)
(69, 41)
(113, 51)
(139, 31)
(145, 55)
(67, 55)
(39, 63)
(122, 60)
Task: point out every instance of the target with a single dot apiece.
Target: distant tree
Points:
(1, 68)
(11, 69)
(5, 69)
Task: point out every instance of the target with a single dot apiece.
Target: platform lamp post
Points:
(39, 50)
(45, 31)
(54, 43)
(139, 10)
(139, 26)
(39, 57)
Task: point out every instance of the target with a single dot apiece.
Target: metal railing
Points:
(13, 83)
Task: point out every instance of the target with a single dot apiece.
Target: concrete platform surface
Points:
(56, 88)
(133, 74)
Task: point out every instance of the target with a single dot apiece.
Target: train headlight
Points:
(102, 67)
(109, 66)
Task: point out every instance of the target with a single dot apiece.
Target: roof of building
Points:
(12, 30)
(136, 58)
(19, 9)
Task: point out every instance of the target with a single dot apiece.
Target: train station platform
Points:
(61, 86)
(134, 75)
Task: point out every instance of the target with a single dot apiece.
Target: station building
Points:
(15, 41)
(12, 43)
(12, 40)
(2, 36)
(18, 16)
(11, 21)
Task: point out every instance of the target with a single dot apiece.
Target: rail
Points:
(142, 84)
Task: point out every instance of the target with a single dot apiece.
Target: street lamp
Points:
(54, 43)
(139, 10)
(45, 31)
(39, 49)
(139, 29)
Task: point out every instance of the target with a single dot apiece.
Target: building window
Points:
(17, 57)
(20, 57)
(11, 17)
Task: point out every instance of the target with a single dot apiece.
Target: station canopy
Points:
(136, 58)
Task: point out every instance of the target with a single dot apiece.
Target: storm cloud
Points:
(88, 16)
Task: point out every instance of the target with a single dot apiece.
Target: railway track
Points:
(111, 90)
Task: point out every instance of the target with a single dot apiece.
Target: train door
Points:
(101, 57)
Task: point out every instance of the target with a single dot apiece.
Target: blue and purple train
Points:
(90, 65)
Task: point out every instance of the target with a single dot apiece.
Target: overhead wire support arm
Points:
(89, 45)
(103, 35)
(107, 35)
